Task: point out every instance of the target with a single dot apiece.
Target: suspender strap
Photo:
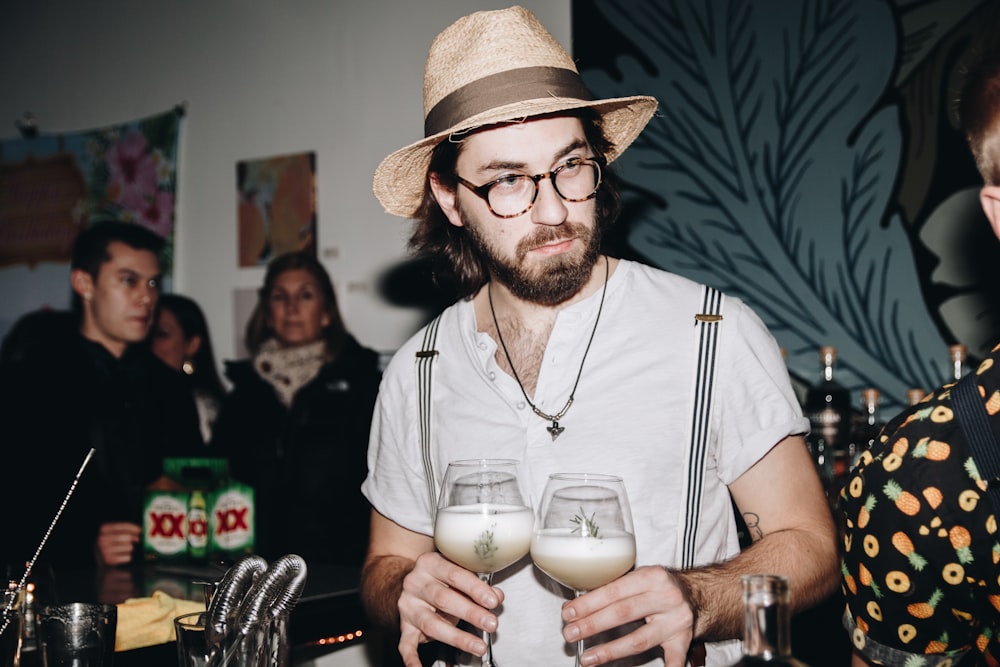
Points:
(424, 368)
(707, 335)
(975, 422)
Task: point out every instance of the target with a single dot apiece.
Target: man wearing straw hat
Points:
(570, 361)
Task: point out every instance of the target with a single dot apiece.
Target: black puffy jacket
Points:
(306, 463)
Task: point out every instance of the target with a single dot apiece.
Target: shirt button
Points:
(493, 376)
(482, 346)
(521, 405)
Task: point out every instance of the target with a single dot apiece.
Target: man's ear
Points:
(446, 199)
(989, 197)
(82, 283)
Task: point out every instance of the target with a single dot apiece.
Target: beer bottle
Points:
(197, 527)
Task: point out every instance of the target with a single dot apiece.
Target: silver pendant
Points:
(555, 430)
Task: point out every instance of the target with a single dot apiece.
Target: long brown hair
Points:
(192, 322)
(258, 329)
(454, 258)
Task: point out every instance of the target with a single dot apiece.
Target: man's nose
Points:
(549, 208)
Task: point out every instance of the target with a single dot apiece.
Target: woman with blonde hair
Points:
(295, 425)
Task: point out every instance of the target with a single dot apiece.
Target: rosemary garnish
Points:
(484, 545)
(586, 527)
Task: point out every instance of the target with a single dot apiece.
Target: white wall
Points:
(259, 78)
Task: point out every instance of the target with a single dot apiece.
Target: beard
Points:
(552, 280)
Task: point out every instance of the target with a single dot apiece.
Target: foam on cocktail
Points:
(484, 537)
(581, 562)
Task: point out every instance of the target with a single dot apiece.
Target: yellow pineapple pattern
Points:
(921, 559)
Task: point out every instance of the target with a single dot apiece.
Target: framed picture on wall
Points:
(276, 207)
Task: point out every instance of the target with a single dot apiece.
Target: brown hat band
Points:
(500, 89)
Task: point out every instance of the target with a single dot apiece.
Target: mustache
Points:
(547, 235)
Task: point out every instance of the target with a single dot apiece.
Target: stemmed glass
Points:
(483, 522)
(584, 536)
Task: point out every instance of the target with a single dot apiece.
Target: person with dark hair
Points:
(181, 340)
(72, 382)
(920, 509)
(569, 360)
(295, 424)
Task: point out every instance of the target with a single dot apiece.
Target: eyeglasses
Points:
(514, 194)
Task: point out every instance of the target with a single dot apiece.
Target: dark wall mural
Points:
(806, 159)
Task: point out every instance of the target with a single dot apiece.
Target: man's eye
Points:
(512, 182)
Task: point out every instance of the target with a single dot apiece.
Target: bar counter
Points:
(329, 613)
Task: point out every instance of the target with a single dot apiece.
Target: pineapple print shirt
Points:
(920, 558)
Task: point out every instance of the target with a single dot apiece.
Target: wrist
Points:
(689, 596)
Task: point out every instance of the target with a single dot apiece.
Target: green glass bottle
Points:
(197, 527)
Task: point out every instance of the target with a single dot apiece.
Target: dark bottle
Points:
(10, 626)
(20, 623)
(767, 622)
(956, 355)
(828, 408)
(869, 426)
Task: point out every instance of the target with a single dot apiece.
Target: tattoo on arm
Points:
(753, 525)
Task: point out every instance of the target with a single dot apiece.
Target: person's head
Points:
(491, 72)
(296, 306)
(979, 114)
(115, 276)
(181, 340)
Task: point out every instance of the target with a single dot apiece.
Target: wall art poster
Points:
(276, 207)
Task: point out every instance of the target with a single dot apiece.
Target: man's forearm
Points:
(809, 560)
(381, 586)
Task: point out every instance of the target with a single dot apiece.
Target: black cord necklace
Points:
(555, 430)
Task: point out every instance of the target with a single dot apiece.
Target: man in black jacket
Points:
(70, 382)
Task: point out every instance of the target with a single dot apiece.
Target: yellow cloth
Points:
(150, 621)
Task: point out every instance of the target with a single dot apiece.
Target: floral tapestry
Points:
(52, 186)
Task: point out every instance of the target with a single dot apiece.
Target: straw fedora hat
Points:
(491, 67)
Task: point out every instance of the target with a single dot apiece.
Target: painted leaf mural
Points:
(769, 173)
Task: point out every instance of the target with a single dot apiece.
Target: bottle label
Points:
(164, 523)
(197, 527)
(826, 423)
(231, 521)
